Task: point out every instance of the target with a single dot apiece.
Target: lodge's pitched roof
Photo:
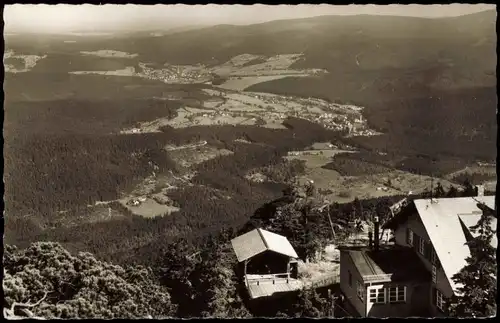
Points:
(259, 240)
(442, 219)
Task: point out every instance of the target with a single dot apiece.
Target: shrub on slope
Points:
(80, 286)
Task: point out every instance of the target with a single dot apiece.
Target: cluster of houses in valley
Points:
(408, 275)
(175, 74)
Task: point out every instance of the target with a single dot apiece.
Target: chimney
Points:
(370, 240)
(376, 233)
(480, 190)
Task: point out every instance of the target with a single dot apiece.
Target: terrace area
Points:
(271, 284)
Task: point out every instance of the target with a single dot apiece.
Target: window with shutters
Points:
(416, 242)
(434, 274)
(433, 256)
(409, 237)
(377, 295)
(397, 294)
(421, 246)
(428, 250)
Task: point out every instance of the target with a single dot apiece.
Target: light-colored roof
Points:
(257, 241)
(442, 223)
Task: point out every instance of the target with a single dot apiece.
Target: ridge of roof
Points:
(259, 240)
(259, 230)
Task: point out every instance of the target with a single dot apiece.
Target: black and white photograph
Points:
(175, 161)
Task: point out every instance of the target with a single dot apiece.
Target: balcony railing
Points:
(268, 278)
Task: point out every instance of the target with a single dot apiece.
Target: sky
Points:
(63, 18)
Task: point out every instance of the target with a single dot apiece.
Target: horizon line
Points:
(111, 30)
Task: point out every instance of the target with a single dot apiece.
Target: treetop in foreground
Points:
(68, 286)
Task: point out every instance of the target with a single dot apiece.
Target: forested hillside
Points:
(44, 192)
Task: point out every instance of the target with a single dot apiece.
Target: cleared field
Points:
(477, 174)
(240, 83)
(14, 63)
(109, 53)
(192, 156)
(404, 182)
(243, 99)
(337, 187)
(18, 63)
(128, 71)
(241, 65)
(236, 105)
(321, 146)
(93, 214)
(149, 208)
(315, 158)
(213, 103)
(350, 166)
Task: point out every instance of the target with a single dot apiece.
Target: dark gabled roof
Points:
(399, 263)
(401, 217)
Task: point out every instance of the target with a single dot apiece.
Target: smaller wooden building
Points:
(268, 263)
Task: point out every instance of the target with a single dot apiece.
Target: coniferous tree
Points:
(476, 296)
(469, 189)
(439, 191)
(452, 192)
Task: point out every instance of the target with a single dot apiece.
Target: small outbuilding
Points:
(268, 263)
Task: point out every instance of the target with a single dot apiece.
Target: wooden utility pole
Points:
(330, 219)
(432, 186)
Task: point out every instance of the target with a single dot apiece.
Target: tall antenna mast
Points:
(432, 186)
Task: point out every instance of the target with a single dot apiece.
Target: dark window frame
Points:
(400, 290)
